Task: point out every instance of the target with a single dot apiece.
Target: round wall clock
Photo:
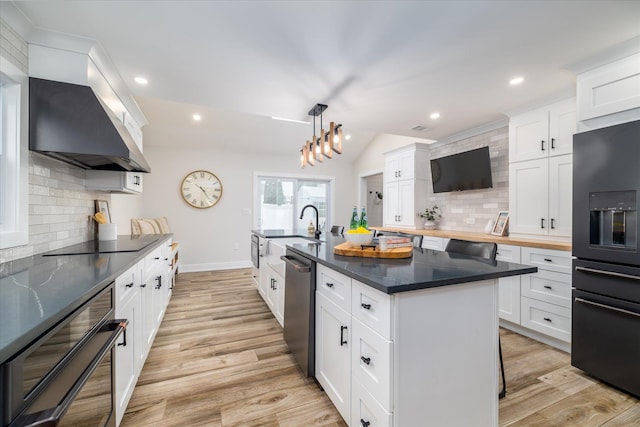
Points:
(201, 189)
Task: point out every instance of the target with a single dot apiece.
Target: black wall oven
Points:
(605, 340)
(65, 378)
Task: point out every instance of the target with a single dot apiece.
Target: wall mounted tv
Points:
(469, 170)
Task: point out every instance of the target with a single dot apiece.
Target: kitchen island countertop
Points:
(425, 269)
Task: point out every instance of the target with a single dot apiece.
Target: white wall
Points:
(208, 237)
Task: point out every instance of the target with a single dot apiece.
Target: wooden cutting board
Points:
(347, 250)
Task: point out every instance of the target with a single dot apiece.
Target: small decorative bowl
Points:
(358, 239)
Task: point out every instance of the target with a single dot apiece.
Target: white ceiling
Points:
(382, 67)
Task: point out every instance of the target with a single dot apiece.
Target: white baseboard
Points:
(535, 335)
(212, 266)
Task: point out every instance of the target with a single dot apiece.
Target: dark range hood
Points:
(70, 123)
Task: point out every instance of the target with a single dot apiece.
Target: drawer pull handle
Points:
(144, 285)
(548, 259)
(547, 287)
(365, 423)
(607, 307)
(366, 306)
(156, 257)
(547, 319)
(607, 273)
(342, 340)
(330, 285)
(366, 360)
(129, 285)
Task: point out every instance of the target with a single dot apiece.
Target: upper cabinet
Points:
(540, 170)
(543, 132)
(405, 186)
(611, 90)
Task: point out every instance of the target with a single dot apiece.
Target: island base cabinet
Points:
(445, 356)
(366, 411)
(333, 353)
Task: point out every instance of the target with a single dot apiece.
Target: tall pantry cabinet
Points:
(406, 184)
(540, 170)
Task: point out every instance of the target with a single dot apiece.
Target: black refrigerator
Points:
(605, 338)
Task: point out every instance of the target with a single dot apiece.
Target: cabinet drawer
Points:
(153, 259)
(371, 362)
(547, 259)
(549, 319)
(508, 253)
(365, 410)
(371, 307)
(548, 286)
(435, 243)
(126, 284)
(335, 286)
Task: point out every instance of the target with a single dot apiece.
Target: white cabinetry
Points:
(509, 287)
(117, 182)
(546, 295)
(333, 352)
(609, 94)
(543, 132)
(540, 196)
(376, 352)
(405, 186)
(127, 294)
(540, 170)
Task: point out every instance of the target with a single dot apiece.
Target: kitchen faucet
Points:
(317, 232)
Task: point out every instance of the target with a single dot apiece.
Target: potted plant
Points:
(431, 215)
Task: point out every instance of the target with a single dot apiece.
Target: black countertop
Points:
(39, 291)
(425, 269)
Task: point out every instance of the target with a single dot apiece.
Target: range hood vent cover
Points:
(70, 123)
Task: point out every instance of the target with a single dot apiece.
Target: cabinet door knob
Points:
(552, 223)
(366, 306)
(329, 285)
(553, 145)
(366, 360)
(129, 285)
(365, 423)
(542, 145)
(541, 222)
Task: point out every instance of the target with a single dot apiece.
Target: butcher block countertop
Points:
(482, 237)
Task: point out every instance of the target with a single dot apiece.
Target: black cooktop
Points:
(122, 244)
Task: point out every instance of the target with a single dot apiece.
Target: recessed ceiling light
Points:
(516, 81)
(347, 137)
(141, 80)
(197, 117)
(435, 115)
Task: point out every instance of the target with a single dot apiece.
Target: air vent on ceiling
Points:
(420, 128)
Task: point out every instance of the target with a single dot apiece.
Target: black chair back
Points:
(479, 249)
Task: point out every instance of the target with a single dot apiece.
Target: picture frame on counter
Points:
(103, 206)
(501, 225)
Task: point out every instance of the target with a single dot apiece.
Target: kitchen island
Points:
(407, 342)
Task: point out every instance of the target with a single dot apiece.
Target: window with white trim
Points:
(13, 157)
(280, 199)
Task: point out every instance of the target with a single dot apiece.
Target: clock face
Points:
(201, 189)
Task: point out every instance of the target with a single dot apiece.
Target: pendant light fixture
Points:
(323, 146)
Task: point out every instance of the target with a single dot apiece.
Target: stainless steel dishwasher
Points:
(299, 310)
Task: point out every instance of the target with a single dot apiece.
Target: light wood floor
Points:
(219, 359)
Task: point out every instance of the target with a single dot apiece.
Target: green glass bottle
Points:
(363, 219)
(354, 219)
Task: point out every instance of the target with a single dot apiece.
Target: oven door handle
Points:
(51, 417)
(607, 273)
(607, 307)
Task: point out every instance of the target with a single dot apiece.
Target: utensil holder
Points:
(107, 231)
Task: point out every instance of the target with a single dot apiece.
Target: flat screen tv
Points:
(469, 170)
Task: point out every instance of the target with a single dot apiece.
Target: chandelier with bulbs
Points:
(323, 145)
